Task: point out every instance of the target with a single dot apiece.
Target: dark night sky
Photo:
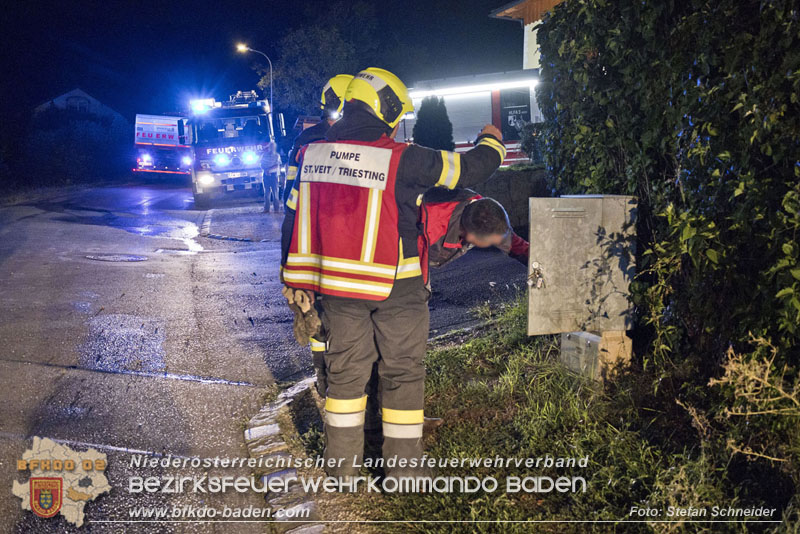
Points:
(151, 56)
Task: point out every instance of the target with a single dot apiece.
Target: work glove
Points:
(306, 319)
(491, 129)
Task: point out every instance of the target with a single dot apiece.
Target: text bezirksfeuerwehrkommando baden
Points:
(281, 481)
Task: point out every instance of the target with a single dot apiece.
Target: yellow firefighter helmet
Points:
(383, 92)
(333, 92)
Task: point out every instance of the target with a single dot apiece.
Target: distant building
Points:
(505, 99)
(528, 13)
(78, 101)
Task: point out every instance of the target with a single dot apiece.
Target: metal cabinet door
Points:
(583, 249)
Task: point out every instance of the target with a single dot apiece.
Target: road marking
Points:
(73, 443)
(170, 376)
(227, 238)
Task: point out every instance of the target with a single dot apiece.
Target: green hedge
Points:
(693, 106)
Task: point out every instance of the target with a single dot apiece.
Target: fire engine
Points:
(232, 142)
(162, 145)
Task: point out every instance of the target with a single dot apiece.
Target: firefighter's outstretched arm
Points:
(519, 249)
(442, 168)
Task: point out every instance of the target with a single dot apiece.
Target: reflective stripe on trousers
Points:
(402, 424)
(345, 412)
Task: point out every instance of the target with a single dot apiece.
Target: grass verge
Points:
(501, 393)
(504, 394)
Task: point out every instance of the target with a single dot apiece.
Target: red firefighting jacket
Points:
(441, 240)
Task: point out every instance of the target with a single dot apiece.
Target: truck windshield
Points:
(210, 129)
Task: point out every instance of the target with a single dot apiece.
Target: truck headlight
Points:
(250, 157)
(205, 178)
(222, 159)
(186, 160)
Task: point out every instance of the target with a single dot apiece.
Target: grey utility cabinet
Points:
(581, 263)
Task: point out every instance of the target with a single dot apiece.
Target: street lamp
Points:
(243, 48)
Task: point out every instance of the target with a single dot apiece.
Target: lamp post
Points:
(243, 48)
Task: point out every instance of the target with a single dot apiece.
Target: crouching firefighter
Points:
(331, 103)
(453, 221)
(354, 245)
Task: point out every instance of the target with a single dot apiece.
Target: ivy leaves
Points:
(692, 107)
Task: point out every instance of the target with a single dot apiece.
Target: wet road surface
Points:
(123, 329)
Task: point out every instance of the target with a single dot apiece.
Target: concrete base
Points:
(596, 356)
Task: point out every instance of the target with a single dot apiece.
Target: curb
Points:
(263, 438)
(205, 226)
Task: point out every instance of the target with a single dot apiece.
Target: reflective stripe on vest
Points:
(291, 200)
(408, 267)
(345, 240)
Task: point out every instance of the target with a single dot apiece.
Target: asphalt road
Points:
(124, 329)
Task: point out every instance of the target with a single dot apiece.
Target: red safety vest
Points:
(345, 240)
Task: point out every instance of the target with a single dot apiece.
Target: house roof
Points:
(75, 92)
(525, 11)
(507, 11)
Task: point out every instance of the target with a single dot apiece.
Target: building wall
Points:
(530, 52)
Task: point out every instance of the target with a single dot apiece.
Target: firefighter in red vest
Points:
(354, 246)
(331, 103)
(453, 221)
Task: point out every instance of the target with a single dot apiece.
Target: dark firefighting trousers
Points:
(373, 431)
(318, 361)
(393, 333)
